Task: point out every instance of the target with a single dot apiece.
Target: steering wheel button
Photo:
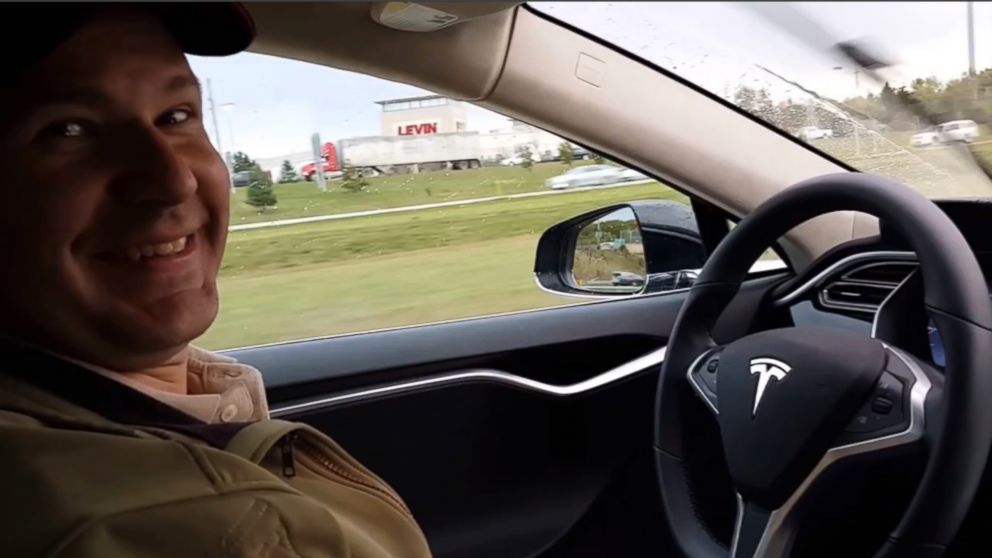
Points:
(882, 405)
(882, 412)
(861, 423)
(712, 365)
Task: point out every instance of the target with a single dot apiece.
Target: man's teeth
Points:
(135, 253)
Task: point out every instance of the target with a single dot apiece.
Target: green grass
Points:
(304, 199)
(592, 265)
(396, 290)
(393, 270)
(935, 172)
(276, 249)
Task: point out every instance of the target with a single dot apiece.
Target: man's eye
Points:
(65, 130)
(175, 117)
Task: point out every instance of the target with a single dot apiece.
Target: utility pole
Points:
(213, 115)
(971, 38)
(229, 109)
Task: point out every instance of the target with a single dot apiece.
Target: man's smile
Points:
(169, 256)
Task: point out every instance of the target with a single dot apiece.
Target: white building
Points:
(418, 116)
(434, 114)
(507, 142)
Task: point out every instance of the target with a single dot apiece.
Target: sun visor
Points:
(432, 16)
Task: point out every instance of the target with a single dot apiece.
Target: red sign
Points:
(417, 129)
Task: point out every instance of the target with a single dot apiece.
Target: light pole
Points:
(971, 38)
(213, 115)
(220, 147)
(229, 108)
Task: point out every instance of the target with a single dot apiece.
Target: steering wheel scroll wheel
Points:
(789, 403)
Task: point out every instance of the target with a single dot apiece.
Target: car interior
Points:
(850, 417)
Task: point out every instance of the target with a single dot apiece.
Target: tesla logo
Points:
(417, 129)
(766, 369)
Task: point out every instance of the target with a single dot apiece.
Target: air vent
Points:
(881, 273)
(855, 296)
(864, 288)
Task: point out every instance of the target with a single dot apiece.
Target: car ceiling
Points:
(462, 61)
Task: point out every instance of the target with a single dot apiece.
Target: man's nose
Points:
(157, 173)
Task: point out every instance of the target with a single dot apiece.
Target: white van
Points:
(955, 130)
(810, 133)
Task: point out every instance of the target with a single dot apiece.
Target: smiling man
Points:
(119, 437)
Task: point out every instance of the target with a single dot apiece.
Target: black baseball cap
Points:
(200, 28)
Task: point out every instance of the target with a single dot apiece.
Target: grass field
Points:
(378, 292)
(393, 270)
(592, 265)
(304, 199)
(947, 171)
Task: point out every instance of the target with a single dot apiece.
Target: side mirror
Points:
(621, 250)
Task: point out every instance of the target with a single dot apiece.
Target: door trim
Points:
(624, 371)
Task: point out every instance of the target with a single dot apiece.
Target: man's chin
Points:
(166, 324)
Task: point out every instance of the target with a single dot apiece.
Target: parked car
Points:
(948, 132)
(928, 137)
(519, 160)
(241, 179)
(810, 133)
(579, 152)
(627, 279)
(592, 175)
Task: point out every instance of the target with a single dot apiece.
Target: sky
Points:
(268, 106)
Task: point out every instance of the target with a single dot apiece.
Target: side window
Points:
(382, 205)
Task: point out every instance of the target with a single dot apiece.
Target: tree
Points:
(260, 193)
(566, 153)
(528, 158)
(243, 162)
(791, 116)
(757, 101)
(745, 98)
(287, 173)
(926, 90)
(353, 180)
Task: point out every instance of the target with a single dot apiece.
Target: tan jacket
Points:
(143, 479)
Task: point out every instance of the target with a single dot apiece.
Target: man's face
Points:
(115, 204)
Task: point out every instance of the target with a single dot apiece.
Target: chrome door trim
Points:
(482, 375)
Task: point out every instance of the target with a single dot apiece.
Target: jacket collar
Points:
(110, 399)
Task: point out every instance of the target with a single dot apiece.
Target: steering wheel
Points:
(792, 402)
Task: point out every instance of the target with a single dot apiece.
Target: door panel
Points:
(507, 464)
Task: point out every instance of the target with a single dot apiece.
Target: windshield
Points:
(802, 67)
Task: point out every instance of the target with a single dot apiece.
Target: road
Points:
(947, 145)
(368, 213)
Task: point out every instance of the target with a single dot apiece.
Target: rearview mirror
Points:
(621, 250)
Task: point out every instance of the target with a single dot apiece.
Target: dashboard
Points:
(870, 286)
